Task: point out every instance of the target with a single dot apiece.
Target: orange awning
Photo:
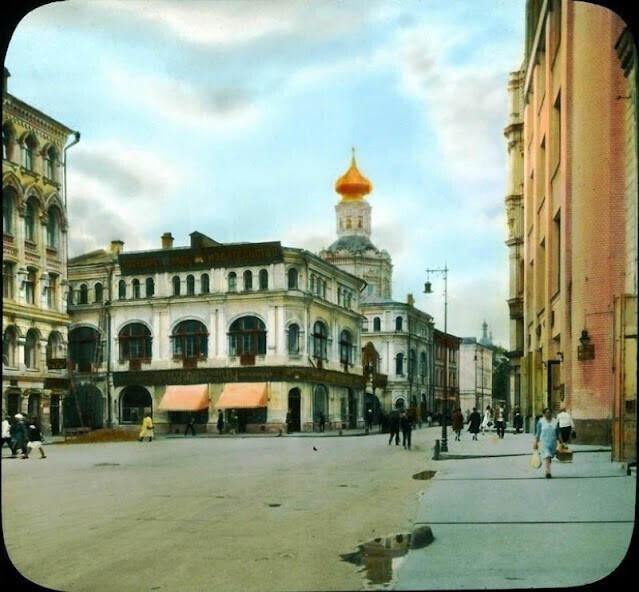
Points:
(243, 395)
(189, 397)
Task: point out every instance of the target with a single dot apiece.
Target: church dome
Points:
(352, 185)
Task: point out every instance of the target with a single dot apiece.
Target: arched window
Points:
(30, 220)
(135, 342)
(190, 340)
(205, 285)
(399, 364)
(84, 294)
(50, 159)
(30, 286)
(176, 285)
(150, 287)
(293, 340)
(31, 349)
(53, 228)
(8, 268)
(9, 347)
(135, 288)
(346, 347)
(293, 278)
(320, 341)
(412, 362)
(377, 324)
(247, 335)
(28, 153)
(263, 279)
(55, 346)
(98, 292)
(190, 285)
(82, 347)
(232, 282)
(8, 210)
(8, 142)
(121, 290)
(248, 280)
(399, 324)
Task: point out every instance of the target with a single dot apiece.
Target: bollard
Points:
(436, 450)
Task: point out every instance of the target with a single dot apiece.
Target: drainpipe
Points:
(76, 139)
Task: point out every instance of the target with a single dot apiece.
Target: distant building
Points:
(397, 335)
(572, 220)
(34, 261)
(269, 332)
(476, 358)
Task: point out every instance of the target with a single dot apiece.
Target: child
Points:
(35, 438)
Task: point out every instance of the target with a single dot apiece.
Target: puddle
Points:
(424, 475)
(380, 558)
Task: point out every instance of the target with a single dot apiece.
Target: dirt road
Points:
(230, 513)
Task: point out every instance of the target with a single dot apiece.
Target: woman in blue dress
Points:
(546, 439)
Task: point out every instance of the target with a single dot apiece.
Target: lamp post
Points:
(428, 290)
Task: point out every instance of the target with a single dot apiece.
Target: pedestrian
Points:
(322, 421)
(147, 428)
(546, 438)
(233, 422)
(190, 425)
(220, 422)
(369, 419)
(35, 438)
(394, 427)
(19, 437)
(566, 425)
(406, 425)
(289, 422)
(518, 420)
(487, 422)
(474, 421)
(500, 421)
(429, 419)
(6, 433)
(457, 423)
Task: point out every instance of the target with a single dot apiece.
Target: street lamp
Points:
(428, 290)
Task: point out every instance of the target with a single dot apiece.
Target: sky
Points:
(235, 119)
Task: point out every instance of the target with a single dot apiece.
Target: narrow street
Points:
(220, 513)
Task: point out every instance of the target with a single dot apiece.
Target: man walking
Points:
(407, 428)
(394, 427)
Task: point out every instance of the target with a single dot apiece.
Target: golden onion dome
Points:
(352, 185)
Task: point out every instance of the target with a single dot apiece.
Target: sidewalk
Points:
(499, 524)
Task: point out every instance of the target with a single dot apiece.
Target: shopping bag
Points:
(535, 460)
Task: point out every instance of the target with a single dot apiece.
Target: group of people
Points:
(23, 436)
(400, 422)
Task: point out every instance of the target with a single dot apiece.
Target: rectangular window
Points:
(7, 280)
(29, 287)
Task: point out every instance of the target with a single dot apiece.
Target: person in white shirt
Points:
(566, 425)
(6, 432)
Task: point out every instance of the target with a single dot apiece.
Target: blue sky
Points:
(236, 118)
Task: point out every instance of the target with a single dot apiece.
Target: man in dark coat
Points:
(406, 425)
(19, 437)
(394, 427)
(474, 422)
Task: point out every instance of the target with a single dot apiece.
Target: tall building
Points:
(572, 212)
(34, 261)
(257, 328)
(476, 359)
(398, 337)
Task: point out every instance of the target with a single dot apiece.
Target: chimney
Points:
(167, 240)
(116, 247)
(410, 300)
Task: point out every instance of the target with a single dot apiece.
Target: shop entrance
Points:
(294, 408)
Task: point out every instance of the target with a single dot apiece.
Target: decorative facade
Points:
(401, 336)
(572, 212)
(34, 261)
(264, 330)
